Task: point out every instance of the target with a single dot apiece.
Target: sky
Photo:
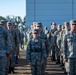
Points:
(13, 7)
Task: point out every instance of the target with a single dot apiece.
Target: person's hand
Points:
(58, 46)
(65, 60)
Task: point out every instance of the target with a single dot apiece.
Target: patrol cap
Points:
(9, 23)
(35, 31)
(13, 24)
(59, 25)
(73, 22)
(39, 24)
(34, 23)
(66, 23)
(45, 27)
(3, 22)
(53, 23)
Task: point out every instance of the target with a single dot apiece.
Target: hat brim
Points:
(73, 24)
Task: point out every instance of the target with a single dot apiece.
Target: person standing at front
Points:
(35, 53)
(70, 48)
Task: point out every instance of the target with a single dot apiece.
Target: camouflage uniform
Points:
(5, 49)
(13, 52)
(70, 53)
(35, 54)
(12, 39)
(18, 42)
(42, 37)
(14, 43)
(4, 25)
(22, 40)
(70, 50)
(62, 34)
(8, 57)
(52, 42)
(57, 50)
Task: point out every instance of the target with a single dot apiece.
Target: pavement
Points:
(22, 68)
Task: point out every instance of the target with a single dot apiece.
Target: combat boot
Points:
(12, 69)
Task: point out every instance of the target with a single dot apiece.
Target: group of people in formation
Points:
(10, 39)
(58, 43)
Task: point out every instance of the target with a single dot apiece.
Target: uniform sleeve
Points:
(43, 51)
(8, 42)
(28, 52)
(65, 46)
(16, 39)
(49, 34)
(58, 41)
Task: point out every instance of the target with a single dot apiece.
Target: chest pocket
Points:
(70, 41)
(36, 47)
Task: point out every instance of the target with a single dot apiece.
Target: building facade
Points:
(48, 11)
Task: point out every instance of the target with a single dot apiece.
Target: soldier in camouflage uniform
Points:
(5, 48)
(35, 53)
(58, 42)
(8, 57)
(62, 34)
(52, 40)
(29, 32)
(17, 31)
(42, 37)
(12, 62)
(15, 43)
(70, 48)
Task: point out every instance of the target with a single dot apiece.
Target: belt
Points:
(35, 51)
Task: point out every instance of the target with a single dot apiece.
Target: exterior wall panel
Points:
(48, 11)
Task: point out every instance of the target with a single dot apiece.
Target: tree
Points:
(10, 18)
(24, 20)
(2, 18)
(18, 20)
(24, 23)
